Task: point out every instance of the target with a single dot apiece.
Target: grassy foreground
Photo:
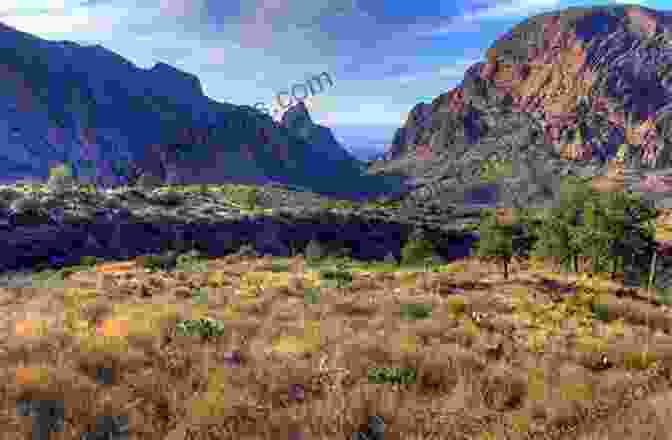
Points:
(262, 348)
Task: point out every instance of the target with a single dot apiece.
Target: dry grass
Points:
(289, 354)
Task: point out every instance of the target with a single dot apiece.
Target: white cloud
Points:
(518, 8)
(469, 22)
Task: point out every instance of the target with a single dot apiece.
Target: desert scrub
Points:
(152, 262)
(279, 267)
(416, 251)
(338, 277)
(204, 327)
(200, 296)
(491, 171)
(638, 360)
(311, 295)
(392, 375)
(415, 311)
(456, 305)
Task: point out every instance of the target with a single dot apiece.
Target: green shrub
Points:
(279, 267)
(200, 296)
(88, 260)
(191, 261)
(252, 197)
(490, 171)
(394, 375)
(415, 311)
(165, 261)
(417, 251)
(664, 296)
(339, 277)
(205, 328)
(600, 311)
(311, 295)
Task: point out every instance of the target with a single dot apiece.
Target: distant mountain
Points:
(110, 120)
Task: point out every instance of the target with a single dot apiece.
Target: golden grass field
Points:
(543, 355)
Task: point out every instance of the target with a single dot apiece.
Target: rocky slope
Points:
(62, 102)
(560, 93)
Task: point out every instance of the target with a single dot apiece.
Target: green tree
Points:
(625, 230)
(496, 240)
(560, 233)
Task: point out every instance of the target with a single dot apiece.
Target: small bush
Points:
(311, 295)
(600, 311)
(200, 296)
(456, 305)
(340, 277)
(279, 267)
(166, 261)
(416, 311)
(88, 260)
(205, 328)
(664, 296)
(382, 375)
(416, 251)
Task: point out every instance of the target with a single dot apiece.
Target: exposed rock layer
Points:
(576, 85)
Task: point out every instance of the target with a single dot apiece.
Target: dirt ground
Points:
(285, 353)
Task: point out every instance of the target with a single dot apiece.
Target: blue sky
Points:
(383, 56)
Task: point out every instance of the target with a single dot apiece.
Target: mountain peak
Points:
(297, 114)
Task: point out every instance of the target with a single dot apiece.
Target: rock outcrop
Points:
(299, 123)
(89, 107)
(576, 85)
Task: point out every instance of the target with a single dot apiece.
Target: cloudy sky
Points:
(383, 56)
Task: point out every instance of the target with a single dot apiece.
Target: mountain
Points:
(110, 120)
(561, 92)
(298, 121)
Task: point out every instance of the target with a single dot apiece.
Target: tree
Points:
(559, 234)
(496, 240)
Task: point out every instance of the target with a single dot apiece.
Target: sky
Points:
(383, 57)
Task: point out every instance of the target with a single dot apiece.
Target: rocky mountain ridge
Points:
(87, 106)
(575, 87)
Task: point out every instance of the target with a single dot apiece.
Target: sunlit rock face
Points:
(582, 81)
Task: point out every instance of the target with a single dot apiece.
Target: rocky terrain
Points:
(561, 93)
(112, 121)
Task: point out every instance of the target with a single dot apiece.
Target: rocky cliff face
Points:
(578, 84)
(85, 105)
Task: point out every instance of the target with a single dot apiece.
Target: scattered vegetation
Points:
(491, 171)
